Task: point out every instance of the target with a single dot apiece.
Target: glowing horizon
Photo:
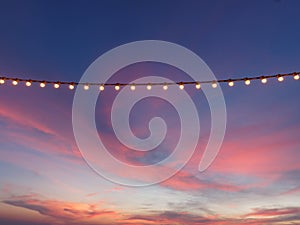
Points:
(255, 177)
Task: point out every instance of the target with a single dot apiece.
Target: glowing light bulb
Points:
(86, 87)
(214, 84)
(247, 82)
(264, 80)
(296, 77)
(71, 86)
(132, 87)
(42, 85)
(231, 83)
(198, 86)
(117, 87)
(28, 83)
(101, 88)
(56, 85)
(181, 86)
(149, 87)
(280, 78)
(15, 82)
(165, 87)
(2, 81)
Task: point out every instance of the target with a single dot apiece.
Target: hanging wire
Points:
(214, 83)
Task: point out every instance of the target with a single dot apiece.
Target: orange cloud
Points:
(63, 211)
(274, 212)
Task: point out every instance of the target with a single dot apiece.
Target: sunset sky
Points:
(255, 179)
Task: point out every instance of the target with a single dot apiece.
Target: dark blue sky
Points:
(59, 39)
(255, 177)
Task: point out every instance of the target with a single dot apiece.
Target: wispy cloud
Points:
(273, 212)
(62, 210)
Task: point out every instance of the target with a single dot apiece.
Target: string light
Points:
(56, 85)
(101, 87)
(132, 87)
(28, 83)
(165, 87)
(71, 86)
(181, 86)
(86, 87)
(15, 82)
(247, 81)
(264, 80)
(149, 87)
(280, 78)
(43, 84)
(117, 86)
(214, 84)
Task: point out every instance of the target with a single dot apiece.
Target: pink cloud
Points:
(291, 191)
(246, 153)
(26, 130)
(262, 216)
(274, 212)
(188, 182)
(62, 210)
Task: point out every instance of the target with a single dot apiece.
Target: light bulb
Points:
(264, 80)
(165, 87)
(117, 87)
(181, 86)
(56, 85)
(101, 87)
(280, 78)
(231, 83)
(132, 87)
(28, 83)
(71, 86)
(214, 84)
(2, 81)
(198, 86)
(43, 84)
(149, 87)
(15, 82)
(247, 82)
(296, 77)
(86, 87)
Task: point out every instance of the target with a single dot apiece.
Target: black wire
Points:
(152, 84)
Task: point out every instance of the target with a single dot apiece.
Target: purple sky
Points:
(255, 178)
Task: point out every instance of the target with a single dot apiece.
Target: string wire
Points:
(72, 84)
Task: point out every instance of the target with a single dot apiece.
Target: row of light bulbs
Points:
(214, 84)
